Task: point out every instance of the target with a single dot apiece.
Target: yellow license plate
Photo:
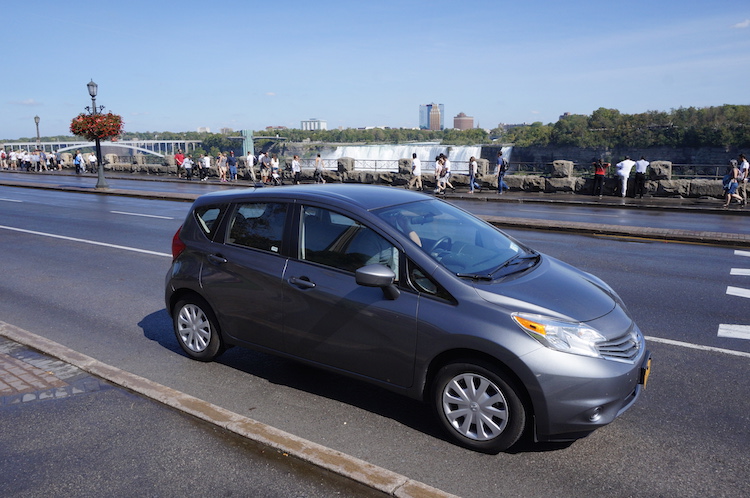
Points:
(646, 371)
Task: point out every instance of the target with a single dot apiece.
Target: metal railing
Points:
(678, 171)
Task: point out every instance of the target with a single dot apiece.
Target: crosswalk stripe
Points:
(740, 271)
(738, 291)
(737, 252)
(734, 331)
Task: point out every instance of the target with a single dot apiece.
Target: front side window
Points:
(332, 239)
(258, 225)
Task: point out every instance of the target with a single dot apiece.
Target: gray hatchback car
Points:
(413, 294)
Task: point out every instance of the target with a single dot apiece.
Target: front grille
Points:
(624, 348)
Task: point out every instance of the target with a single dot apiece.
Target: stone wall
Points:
(584, 156)
(560, 179)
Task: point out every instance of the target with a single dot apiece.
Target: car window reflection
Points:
(335, 240)
(258, 225)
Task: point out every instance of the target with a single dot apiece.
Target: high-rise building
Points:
(463, 122)
(432, 117)
(313, 124)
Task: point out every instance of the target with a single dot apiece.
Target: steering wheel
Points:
(442, 240)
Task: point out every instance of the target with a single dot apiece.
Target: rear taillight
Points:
(177, 244)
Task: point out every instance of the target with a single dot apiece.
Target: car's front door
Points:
(329, 318)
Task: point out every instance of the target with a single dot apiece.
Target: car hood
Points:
(552, 288)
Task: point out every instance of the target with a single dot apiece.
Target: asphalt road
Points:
(687, 436)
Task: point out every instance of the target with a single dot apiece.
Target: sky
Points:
(245, 64)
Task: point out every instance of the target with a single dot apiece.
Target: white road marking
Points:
(737, 252)
(740, 271)
(143, 215)
(9, 200)
(738, 291)
(734, 331)
(698, 346)
(84, 241)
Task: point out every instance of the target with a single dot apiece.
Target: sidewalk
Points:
(75, 426)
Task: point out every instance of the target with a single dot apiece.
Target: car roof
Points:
(367, 197)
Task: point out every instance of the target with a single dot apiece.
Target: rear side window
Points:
(258, 225)
(207, 218)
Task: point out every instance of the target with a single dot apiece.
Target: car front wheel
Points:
(479, 406)
(196, 329)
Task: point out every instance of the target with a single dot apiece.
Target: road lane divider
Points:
(143, 215)
(86, 241)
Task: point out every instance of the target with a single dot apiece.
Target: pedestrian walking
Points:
(730, 183)
(251, 166)
(187, 165)
(296, 170)
(222, 166)
(744, 168)
(232, 166)
(78, 163)
(319, 168)
(473, 170)
(416, 173)
(502, 169)
(275, 172)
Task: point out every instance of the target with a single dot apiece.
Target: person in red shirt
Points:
(179, 158)
(600, 171)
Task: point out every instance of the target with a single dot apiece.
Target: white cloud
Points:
(27, 102)
(742, 25)
(270, 94)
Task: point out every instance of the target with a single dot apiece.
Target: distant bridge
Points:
(158, 148)
(155, 147)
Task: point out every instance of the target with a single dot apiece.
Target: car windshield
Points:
(462, 243)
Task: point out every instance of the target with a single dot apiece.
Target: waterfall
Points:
(426, 152)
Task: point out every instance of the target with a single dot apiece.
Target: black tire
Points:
(197, 329)
(479, 406)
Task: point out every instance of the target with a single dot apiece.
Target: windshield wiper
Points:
(474, 276)
(532, 257)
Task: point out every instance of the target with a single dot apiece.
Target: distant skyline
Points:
(166, 66)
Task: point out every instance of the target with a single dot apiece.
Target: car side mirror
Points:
(378, 276)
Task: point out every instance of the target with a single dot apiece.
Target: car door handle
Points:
(217, 259)
(302, 282)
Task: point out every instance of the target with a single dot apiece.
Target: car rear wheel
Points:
(196, 329)
(479, 406)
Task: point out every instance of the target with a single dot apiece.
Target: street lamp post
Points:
(38, 139)
(100, 182)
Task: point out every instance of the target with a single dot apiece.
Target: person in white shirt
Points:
(92, 162)
(251, 165)
(623, 171)
(296, 169)
(416, 173)
(641, 166)
(744, 173)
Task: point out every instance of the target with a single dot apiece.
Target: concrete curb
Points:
(646, 233)
(334, 461)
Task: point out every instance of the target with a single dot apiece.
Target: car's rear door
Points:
(242, 277)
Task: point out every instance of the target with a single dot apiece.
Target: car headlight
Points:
(569, 337)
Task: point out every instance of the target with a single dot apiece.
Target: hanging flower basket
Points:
(93, 126)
